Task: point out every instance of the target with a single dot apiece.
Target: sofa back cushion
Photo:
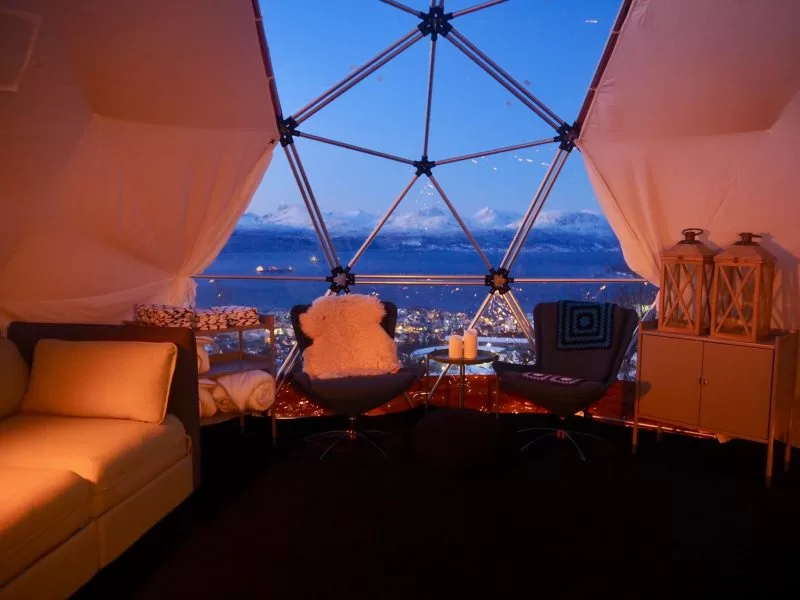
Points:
(14, 375)
(107, 379)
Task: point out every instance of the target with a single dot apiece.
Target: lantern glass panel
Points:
(736, 300)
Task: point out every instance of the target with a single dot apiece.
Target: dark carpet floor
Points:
(683, 518)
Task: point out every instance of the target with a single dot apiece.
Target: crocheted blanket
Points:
(584, 325)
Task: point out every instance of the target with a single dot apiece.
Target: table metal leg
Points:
(428, 390)
(461, 377)
(496, 396)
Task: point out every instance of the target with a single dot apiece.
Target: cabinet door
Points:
(669, 379)
(737, 386)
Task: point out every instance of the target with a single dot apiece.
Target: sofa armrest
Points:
(183, 396)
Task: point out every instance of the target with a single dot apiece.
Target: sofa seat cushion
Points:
(39, 509)
(116, 456)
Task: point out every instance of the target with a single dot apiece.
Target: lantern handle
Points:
(689, 235)
(747, 238)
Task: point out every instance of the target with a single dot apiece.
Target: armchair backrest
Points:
(389, 322)
(597, 364)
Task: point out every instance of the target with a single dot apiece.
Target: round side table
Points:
(442, 356)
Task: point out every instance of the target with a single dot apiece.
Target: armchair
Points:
(580, 347)
(354, 395)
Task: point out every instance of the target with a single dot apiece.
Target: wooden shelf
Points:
(239, 361)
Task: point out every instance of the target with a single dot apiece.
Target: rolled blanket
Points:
(203, 360)
(207, 406)
(208, 318)
(239, 316)
(164, 315)
(223, 401)
(248, 391)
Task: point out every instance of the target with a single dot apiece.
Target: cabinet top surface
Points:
(651, 328)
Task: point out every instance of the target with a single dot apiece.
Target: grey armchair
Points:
(352, 396)
(580, 347)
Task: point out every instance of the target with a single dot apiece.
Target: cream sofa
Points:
(75, 492)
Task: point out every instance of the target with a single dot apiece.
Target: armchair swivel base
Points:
(351, 434)
(560, 433)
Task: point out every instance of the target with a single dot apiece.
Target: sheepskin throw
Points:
(348, 339)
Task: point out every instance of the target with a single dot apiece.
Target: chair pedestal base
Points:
(561, 433)
(351, 434)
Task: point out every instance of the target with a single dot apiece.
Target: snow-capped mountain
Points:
(294, 216)
(489, 218)
(430, 219)
(583, 220)
(350, 220)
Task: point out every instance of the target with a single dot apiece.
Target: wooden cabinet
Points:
(669, 379)
(734, 388)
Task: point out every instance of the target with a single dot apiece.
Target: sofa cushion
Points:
(14, 374)
(39, 509)
(116, 457)
(108, 379)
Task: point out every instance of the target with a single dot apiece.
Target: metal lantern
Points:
(686, 272)
(741, 293)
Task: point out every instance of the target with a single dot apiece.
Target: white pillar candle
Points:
(455, 346)
(471, 344)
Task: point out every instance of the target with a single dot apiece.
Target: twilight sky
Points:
(551, 46)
